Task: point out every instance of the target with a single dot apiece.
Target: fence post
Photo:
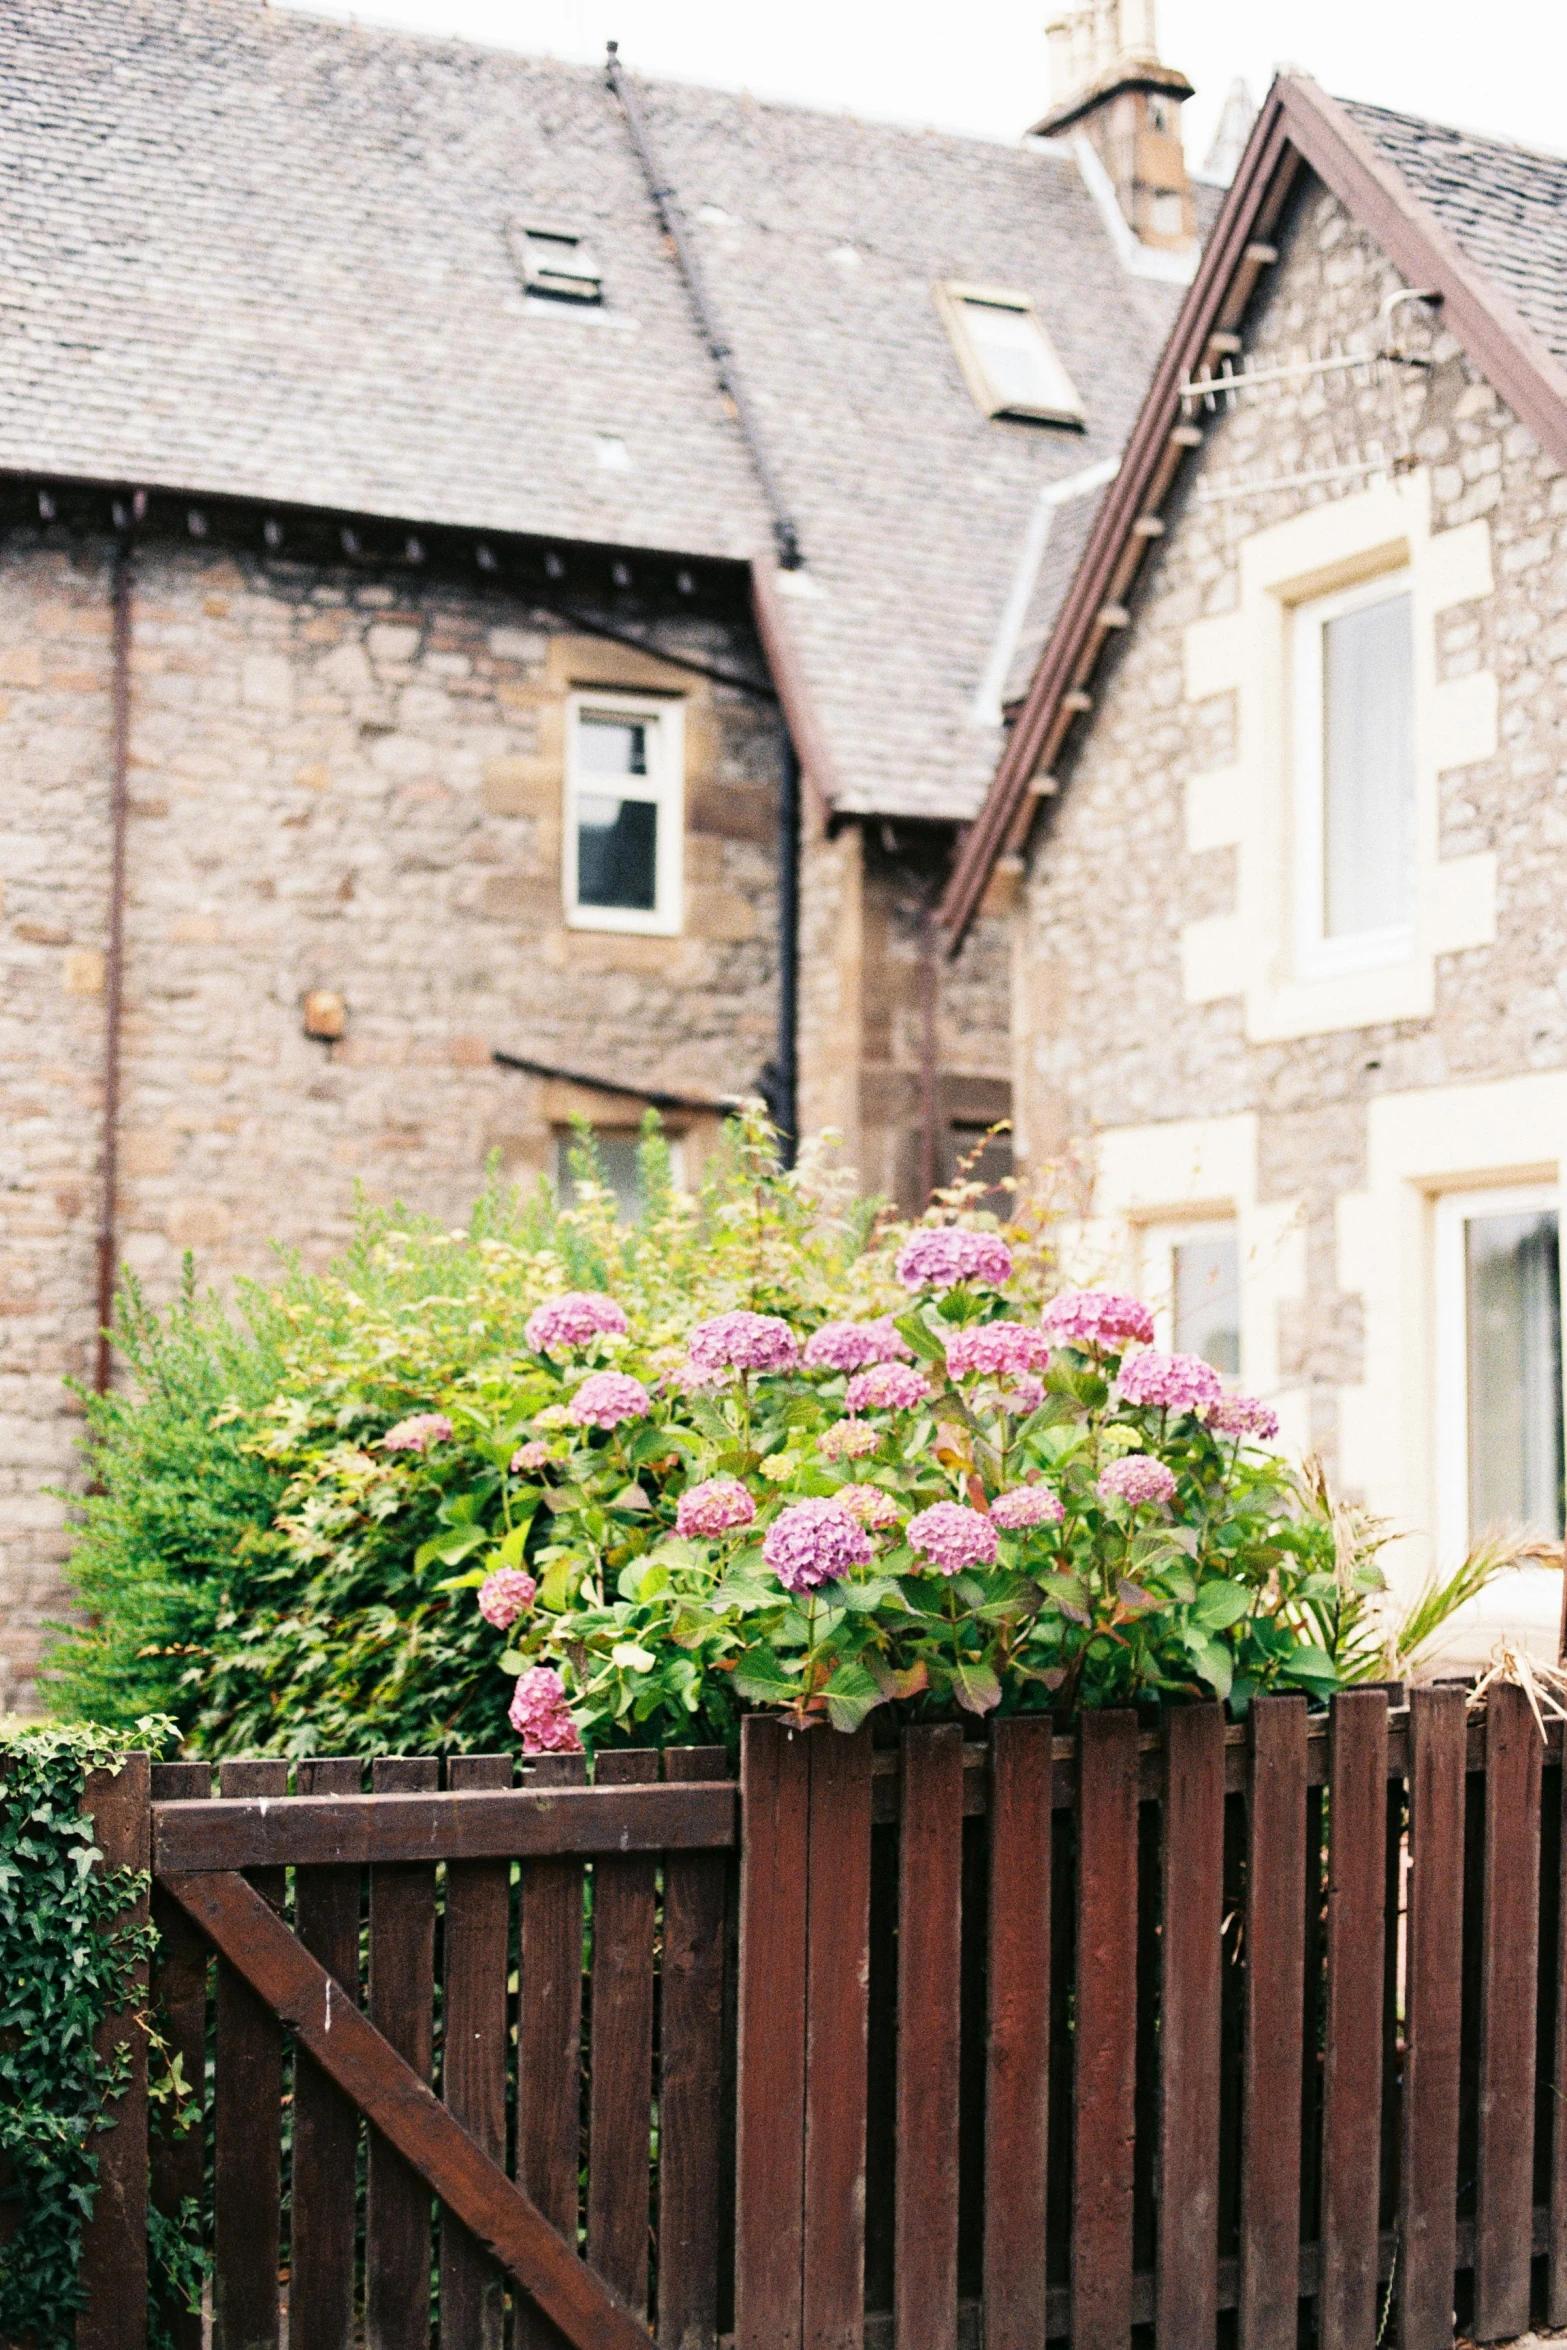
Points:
(770, 2121)
(114, 2241)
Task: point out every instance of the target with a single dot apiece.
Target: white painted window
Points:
(624, 819)
(1191, 1275)
(1354, 735)
(557, 265)
(1499, 1364)
(1009, 362)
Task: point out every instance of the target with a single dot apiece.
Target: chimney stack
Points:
(1106, 80)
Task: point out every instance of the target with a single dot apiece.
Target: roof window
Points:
(556, 264)
(1008, 360)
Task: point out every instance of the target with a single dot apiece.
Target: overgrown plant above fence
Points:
(74, 1948)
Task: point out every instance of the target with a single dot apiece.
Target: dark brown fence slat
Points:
(549, 2039)
(114, 2241)
(1017, 2062)
(1271, 2077)
(838, 1911)
(179, 1999)
(247, 2123)
(1556, 2284)
(620, 2089)
(326, 2127)
(1352, 2081)
(477, 1952)
(1504, 2207)
(1433, 1971)
(930, 1909)
(520, 1824)
(1192, 1905)
(770, 2121)
(690, 2078)
(402, 2009)
(405, 2110)
(1104, 2055)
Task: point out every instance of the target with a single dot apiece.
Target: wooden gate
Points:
(997, 2039)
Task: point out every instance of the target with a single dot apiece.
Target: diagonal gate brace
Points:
(365, 2066)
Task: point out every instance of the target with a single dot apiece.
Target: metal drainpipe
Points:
(114, 961)
(789, 954)
(930, 991)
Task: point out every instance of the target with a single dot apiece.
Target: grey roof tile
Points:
(248, 250)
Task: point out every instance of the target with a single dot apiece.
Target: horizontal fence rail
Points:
(973, 2040)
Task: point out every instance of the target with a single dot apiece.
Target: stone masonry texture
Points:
(1110, 1040)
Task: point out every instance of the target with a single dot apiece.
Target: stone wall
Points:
(1108, 1037)
(336, 783)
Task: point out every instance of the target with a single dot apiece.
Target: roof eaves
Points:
(1299, 124)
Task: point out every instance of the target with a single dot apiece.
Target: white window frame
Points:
(563, 1138)
(1318, 956)
(1454, 1210)
(1157, 1244)
(952, 300)
(665, 721)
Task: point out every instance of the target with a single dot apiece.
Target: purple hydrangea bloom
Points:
(504, 1595)
(1098, 1321)
(540, 1715)
(953, 1537)
(940, 1256)
(885, 1387)
(714, 1508)
(605, 1398)
(1168, 1383)
(742, 1342)
(563, 1324)
(1136, 1478)
(997, 1350)
(528, 1457)
(1242, 1415)
(418, 1433)
(853, 1346)
(815, 1542)
(1027, 1505)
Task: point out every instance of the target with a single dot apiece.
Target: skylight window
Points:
(1008, 360)
(557, 265)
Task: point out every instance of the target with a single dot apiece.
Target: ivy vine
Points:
(67, 1960)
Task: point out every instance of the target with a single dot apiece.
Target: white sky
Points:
(1491, 65)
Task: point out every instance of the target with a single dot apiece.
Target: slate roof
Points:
(248, 250)
(1505, 206)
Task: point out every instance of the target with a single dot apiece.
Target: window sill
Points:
(622, 924)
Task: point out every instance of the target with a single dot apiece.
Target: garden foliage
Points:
(794, 1456)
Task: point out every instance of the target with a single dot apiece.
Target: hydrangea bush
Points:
(566, 1480)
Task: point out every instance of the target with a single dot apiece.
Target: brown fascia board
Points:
(1299, 124)
(795, 699)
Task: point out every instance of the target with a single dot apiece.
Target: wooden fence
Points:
(1230, 2036)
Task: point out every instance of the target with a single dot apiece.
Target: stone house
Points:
(1283, 812)
(506, 579)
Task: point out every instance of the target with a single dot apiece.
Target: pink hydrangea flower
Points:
(885, 1387)
(562, 1324)
(418, 1433)
(814, 1542)
(941, 1256)
(1023, 1395)
(528, 1457)
(953, 1537)
(1027, 1505)
(1136, 1478)
(871, 1505)
(853, 1346)
(1168, 1383)
(847, 1440)
(997, 1350)
(540, 1715)
(605, 1398)
(742, 1342)
(1099, 1321)
(1242, 1415)
(714, 1508)
(504, 1595)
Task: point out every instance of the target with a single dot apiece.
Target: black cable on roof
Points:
(667, 204)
